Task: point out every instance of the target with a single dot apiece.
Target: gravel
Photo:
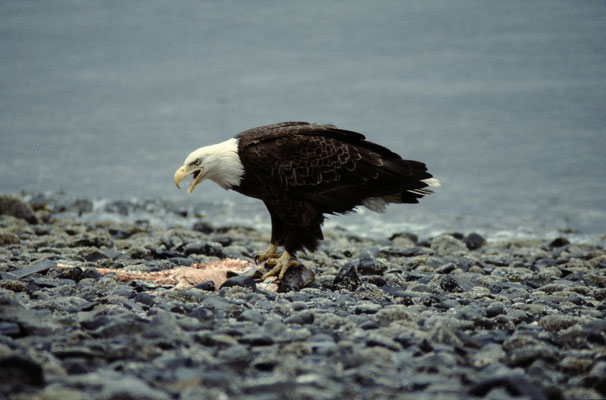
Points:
(454, 316)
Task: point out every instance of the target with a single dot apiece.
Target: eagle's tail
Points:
(413, 184)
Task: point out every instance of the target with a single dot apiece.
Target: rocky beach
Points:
(453, 316)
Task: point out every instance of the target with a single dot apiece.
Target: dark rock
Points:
(516, 384)
(301, 318)
(18, 374)
(446, 269)
(206, 285)
(296, 279)
(382, 341)
(89, 273)
(164, 254)
(559, 242)
(204, 314)
(122, 326)
(412, 252)
(203, 247)
(376, 280)
(596, 378)
(52, 283)
(95, 241)
(450, 284)
(183, 261)
(252, 316)
(125, 386)
(163, 325)
(367, 308)
(405, 297)
(38, 267)
(369, 325)
(368, 264)
(145, 298)
(526, 355)
(495, 309)
(256, 339)
(14, 206)
(473, 241)
(595, 331)
(119, 233)
(242, 280)
(73, 273)
(347, 278)
(140, 286)
(406, 235)
(10, 282)
(217, 303)
(203, 227)
(9, 329)
(95, 322)
(223, 241)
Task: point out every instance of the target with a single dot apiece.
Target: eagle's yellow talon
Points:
(281, 265)
(269, 254)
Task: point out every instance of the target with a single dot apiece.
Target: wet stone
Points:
(207, 285)
(450, 284)
(145, 298)
(301, 318)
(94, 241)
(19, 373)
(368, 264)
(440, 318)
(242, 280)
(51, 283)
(347, 278)
(495, 309)
(205, 248)
(9, 329)
(515, 384)
(559, 242)
(445, 245)
(16, 207)
(252, 316)
(256, 339)
(296, 279)
(474, 241)
(38, 267)
(203, 227)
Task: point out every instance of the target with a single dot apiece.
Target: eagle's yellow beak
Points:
(182, 172)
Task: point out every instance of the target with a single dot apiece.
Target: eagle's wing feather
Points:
(332, 168)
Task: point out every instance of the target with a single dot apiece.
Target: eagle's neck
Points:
(224, 165)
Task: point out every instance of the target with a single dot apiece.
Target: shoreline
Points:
(450, 316)
(186, 211)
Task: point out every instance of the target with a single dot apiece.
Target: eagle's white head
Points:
(219, 163)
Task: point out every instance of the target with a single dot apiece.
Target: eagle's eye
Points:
(197, 162)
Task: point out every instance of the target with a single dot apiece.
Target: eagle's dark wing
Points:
(332, 168)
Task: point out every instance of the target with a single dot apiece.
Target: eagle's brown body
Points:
(302, 171)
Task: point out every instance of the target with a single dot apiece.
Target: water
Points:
(503, 100)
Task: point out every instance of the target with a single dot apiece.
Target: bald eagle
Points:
(302, 171)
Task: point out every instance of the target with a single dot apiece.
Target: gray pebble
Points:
(450, 316)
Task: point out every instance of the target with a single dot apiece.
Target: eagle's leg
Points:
(269, 254)
(281, 265)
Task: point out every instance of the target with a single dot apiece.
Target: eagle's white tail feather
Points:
(421, 192)
(431, 182)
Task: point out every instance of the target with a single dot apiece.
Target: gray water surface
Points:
(505, 101)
